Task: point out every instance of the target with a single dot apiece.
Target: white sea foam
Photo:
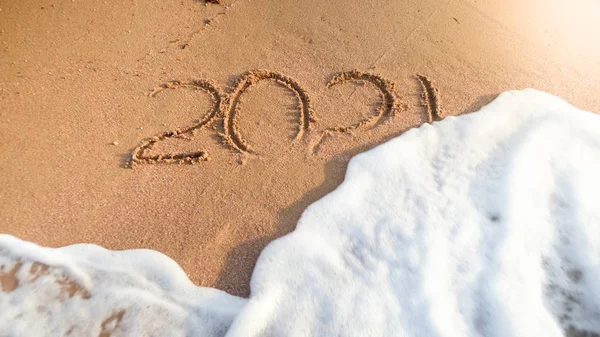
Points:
(486, 224)
(91, 291)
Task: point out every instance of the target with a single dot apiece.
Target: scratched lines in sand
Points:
(430, 99)
(389, 106)
(140, 153)
(233, 136)
(226, 108)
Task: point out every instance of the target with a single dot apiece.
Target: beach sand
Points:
(76, 78)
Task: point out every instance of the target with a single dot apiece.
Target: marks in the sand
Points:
(388, 107)
(233, 136)
(430, 99)
(140, 154)
(10, 279)
(387, 92)
(227, 108)
(110, 324)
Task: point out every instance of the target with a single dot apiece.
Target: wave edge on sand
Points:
(477, 225)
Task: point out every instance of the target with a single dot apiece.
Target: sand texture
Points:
(203, 130)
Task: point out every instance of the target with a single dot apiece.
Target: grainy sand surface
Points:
(76, 78)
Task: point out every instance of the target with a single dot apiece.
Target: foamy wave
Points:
(485, 224)
(481, 225)
(86, 290)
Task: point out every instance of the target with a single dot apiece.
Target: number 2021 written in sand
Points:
(225, 109)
